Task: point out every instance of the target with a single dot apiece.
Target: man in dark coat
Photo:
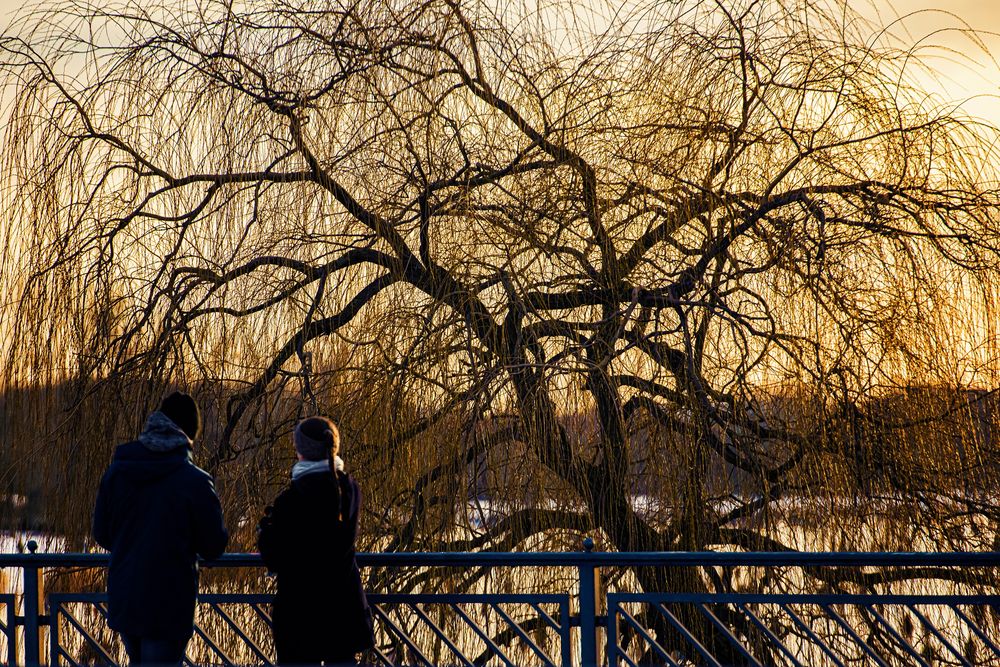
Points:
(307, 538)
(157, 512)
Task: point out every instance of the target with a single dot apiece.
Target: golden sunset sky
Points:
(967, 73)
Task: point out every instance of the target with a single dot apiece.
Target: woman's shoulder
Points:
(288, 496)
(312, 484)
(347, 477)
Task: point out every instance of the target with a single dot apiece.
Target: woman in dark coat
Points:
(320, 613)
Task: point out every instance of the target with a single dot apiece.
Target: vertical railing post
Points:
(588, 610)
(33, 594)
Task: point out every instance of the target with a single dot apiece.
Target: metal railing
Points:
(782, 608)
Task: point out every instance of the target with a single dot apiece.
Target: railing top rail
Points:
(573, 559)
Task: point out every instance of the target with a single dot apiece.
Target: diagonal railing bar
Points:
(773, 638)
(809, 633)
(60, 611)
(858, 641)
(937, 634)
(710, 615)
(975, 629)
(562, 627)
(87, 637)
(523, 635)
(490, 644)
(492, 648)
(403, 635)
(215, 648)
(102, 609)
(263, 615)
(8, 626)
(56, 651)
(891, 629)
(681, 628)
(621, 655)
(614, 652)
(212, 603)
(441, 635)
(377, 652)
(655, 645)
(542, 614)
(60, 653)
(238, 631)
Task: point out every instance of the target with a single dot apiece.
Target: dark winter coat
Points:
(320, 612)
(156, 512)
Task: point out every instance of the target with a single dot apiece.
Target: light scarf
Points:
(302, 468)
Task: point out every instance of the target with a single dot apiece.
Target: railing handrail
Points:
(575, 559)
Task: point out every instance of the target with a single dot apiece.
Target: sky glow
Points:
(967, 73)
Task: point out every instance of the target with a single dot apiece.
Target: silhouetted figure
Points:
(156, 512)
(307, 538)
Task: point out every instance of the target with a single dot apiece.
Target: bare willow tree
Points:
(666, 275)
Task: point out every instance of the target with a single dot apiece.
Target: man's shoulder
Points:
(175, 462)
(135, 450)
(127, 457)
(194, 482)
(128, 450)
(196, 474)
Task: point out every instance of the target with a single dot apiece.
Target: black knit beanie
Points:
(315, 438)
(181, 409)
